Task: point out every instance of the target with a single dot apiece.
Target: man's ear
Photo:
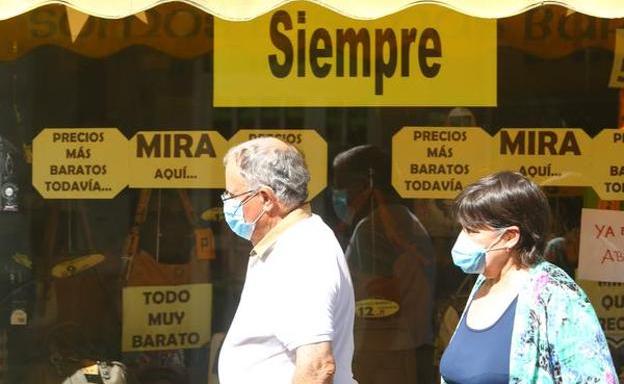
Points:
(511, 237)
(269, 199)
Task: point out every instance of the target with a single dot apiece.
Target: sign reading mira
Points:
(305, 55)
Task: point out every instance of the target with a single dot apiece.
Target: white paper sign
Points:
(601, 251)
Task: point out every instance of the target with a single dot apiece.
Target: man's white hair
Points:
(270, 162)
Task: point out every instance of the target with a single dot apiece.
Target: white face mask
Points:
(470, 256)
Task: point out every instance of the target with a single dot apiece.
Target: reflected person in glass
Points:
(391, 260)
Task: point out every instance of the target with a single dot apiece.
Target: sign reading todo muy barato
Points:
(80, 163)
(440, 162)
(166, 317)
(177, 159)
(305, 55)
(308, 141)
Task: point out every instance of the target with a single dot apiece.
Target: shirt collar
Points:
(261, 249)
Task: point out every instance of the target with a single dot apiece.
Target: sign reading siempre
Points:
(308, 141)
(177, 159)
(601, 249)
(305, 55)
(79, 163)
(166, 317)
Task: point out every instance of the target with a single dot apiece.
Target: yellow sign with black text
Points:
(308, 141)
(79, 163)
(428, 162)
(549, 156)
(608, 173)
(177, 159)
(305, 55)
(438, 162)
(166, 317)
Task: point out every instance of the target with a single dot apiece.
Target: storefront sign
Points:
(306, 55)
(309, 142)
(438, 162)
(549, 156)
(177, 159)
(178, 29)
(617, 72)
(80, 163)
(608, 172)
(551, 31)
(166, 317)
(83, 163)
(601, 249)
(428, 162)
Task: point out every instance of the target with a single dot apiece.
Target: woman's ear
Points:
(511, 237)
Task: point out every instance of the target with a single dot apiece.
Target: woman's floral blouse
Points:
(556, 336)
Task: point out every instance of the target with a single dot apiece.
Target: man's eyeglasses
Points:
(227, 195)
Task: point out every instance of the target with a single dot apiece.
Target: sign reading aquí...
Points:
(80, 163)
(177, 159)
(305, 55)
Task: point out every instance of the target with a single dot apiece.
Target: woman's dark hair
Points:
(506, 199)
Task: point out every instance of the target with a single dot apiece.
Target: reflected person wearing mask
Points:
(392, 261)
(526, 320)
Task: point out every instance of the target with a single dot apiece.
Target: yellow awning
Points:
(358, 9)
(184, 31)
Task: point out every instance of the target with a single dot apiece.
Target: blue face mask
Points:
(470, 256)
(341, 205)
(233, 212)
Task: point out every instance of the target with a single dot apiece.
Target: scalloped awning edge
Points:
(242, 10)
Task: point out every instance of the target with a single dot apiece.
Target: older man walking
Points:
(294, 322)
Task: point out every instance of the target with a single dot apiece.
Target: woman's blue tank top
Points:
(480, 356)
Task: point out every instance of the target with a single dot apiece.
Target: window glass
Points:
(68, 265)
